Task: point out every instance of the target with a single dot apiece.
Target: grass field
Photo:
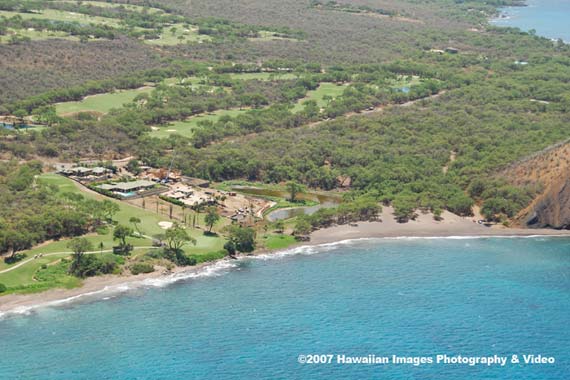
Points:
(263, 76)
(130, 7)
(194, 82)
(186, 128)
(53, 14)
(278, 241)
(23, 277)
(331, 89)
(179, 34)
(35, 35)
(101, 103)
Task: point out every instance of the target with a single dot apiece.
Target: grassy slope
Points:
(23, 276)
(102, 103)
(36, 35)
(52, 14)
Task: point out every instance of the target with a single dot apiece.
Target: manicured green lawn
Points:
(179, 34)
(102, 103)
(278, 241)
(330, 89)
(186, 128)
(24, 276)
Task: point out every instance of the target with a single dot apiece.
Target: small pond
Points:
(11, 126)
(324, 200)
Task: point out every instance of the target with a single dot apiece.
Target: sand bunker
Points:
(165, 225)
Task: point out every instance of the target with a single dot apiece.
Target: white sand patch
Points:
(171, 130)
(155, 128)
(165, 225)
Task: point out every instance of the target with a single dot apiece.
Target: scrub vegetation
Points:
(418, 104)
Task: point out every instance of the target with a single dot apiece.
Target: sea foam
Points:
(108, 292)
(224, 266)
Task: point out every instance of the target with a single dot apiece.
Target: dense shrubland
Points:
(493, 112)
(30, 212)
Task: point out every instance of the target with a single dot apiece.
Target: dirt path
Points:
(452, 157)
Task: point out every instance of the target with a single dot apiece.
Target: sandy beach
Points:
(97, 287)
(423, 226)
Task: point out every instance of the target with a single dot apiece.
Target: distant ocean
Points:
(255, 318)
(550, 18)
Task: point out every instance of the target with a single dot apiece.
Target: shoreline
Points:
(424, 227)
(452, 226)
(503, 15)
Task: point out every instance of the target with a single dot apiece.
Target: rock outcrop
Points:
(550, 170)
(552, 208)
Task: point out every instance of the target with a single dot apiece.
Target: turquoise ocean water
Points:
(251, 319)
(550, 18)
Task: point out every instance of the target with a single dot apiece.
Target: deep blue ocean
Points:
(550, 18)
(251, 319)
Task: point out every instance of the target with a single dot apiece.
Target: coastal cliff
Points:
(549, 170)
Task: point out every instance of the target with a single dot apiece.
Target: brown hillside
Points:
(550, 170)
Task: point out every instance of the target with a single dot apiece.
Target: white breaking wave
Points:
(306, 250)
(472, 237)
(224, 266)
(215, 269)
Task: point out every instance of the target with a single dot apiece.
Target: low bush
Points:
(94, 266)
(3, 288)
(102, 230)
(14, 258)
(210, 256)
(155, 254)
(178, 257)
(138, 268)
